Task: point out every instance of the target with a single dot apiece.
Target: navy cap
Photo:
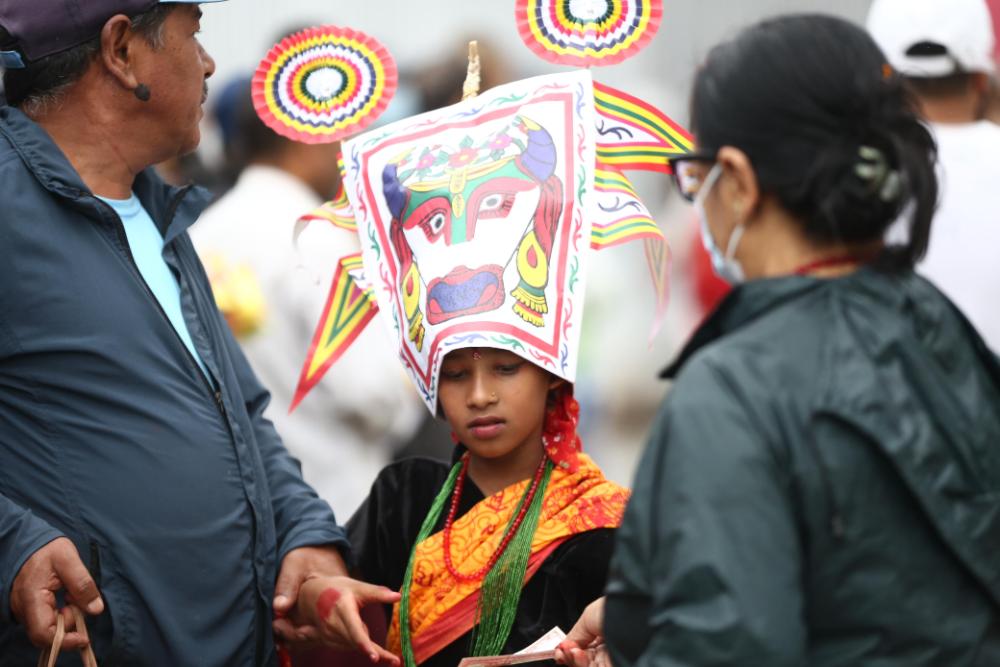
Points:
(39, 28)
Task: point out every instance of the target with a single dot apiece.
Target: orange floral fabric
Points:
(442, 608)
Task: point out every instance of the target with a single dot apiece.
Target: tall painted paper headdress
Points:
(476, 222)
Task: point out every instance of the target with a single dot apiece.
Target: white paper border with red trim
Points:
(366, 155)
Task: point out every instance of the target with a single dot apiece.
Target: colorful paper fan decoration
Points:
(322, 84)
(585, 33)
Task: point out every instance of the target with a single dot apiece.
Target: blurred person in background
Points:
(439, 83)
(944, 50)
(344, 433)
(822, 486)
(993, 110)
(228, 106)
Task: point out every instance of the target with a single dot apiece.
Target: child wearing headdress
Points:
(510, 539)
(473, 235)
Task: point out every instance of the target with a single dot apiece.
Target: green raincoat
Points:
(822, 487)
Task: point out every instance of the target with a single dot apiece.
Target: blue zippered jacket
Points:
(179, 496)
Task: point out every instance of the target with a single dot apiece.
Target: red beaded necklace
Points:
(511, 529)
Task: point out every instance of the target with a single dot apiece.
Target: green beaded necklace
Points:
(501, 589)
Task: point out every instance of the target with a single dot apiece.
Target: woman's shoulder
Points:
(789, 332)
(831, 349)
(760, 326)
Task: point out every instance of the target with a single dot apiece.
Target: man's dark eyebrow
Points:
(198, 13)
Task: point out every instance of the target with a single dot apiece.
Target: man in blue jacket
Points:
(138, 477)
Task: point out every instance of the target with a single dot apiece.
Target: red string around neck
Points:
(511, 531)
(829, 262)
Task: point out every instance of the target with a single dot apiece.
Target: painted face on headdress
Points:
(475, 221)
(473, 226)
(466, 214)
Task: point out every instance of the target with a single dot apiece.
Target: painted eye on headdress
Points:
(431, 217)
(491, 203)
(435, 223)
(496, 205)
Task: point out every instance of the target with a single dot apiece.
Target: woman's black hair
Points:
(829, 128)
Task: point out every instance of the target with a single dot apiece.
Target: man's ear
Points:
(555, 383)
(117, 50)
(740, 190)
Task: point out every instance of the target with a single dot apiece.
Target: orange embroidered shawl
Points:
(442, 608)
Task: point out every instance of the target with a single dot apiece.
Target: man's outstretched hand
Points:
(54, 567)
(316, 602)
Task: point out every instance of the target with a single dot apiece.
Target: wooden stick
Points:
(472, 79)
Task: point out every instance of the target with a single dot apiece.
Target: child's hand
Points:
(331, 606)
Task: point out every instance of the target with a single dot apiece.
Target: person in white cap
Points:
(945, 51)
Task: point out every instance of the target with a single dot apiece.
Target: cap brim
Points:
(926, 66)
(932, 67)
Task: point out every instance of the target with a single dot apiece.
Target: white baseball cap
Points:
(963, 28)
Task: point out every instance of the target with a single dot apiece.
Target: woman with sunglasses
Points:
(822, 486)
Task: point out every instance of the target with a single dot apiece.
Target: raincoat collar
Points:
(174, 209)
(745, 303)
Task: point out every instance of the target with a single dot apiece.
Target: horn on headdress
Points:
(539, 156)
(393, 191)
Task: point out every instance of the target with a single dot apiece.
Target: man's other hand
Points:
(55, 566)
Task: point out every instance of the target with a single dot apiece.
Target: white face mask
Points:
(725, 264)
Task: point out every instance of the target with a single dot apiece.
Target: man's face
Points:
(176, 74)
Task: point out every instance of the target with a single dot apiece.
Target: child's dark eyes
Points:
(499, 369)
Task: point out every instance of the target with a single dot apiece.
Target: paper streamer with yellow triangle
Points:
(348, 310)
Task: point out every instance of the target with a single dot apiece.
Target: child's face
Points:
(494, 400)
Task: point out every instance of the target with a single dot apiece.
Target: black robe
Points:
(385, 527)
